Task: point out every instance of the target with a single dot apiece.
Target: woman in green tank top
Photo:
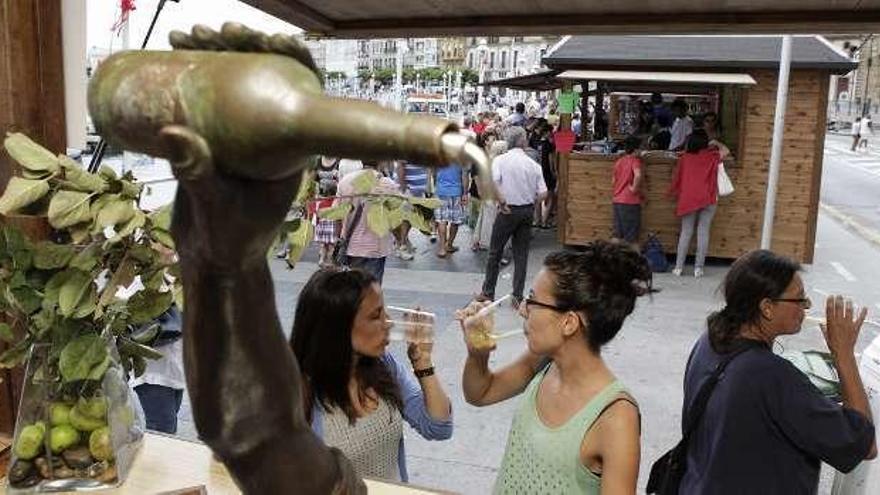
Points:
(577, 428)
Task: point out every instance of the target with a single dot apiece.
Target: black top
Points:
(766, 427)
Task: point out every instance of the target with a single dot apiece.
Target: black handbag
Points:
(668, 471)
(340, 258)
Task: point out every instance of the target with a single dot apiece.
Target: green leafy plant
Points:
(383, 212)
(63, 291)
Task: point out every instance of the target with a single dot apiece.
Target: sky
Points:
(101, 14)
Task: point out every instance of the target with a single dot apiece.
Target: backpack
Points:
(653, 252)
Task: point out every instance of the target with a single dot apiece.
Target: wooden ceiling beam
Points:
(296, 13)
(805, 22)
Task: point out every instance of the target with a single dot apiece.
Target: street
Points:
(650, 353)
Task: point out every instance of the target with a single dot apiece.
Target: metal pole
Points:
(776, 149)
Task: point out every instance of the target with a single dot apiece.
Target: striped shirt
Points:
(363, 242)
(416, 179)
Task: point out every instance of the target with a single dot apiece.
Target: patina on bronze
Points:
(238, 114)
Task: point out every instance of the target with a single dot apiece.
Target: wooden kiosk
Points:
(736, 78)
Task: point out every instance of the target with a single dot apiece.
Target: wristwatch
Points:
(424, 373)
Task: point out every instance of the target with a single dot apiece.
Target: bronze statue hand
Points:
(226, 222)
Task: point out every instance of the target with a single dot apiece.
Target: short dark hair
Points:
(321, 341)
(631, 143)
(755, 276)
(656, 98)
(602, 280)
(697, 141)
(520, 107)
(679, 104)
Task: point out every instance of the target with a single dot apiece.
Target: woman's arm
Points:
(723, 150)
(416, 394)
(435, 398)
(619, 433)
(483, 387)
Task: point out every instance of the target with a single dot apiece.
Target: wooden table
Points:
(167, 465)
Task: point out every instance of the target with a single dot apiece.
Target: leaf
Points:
(154, 280)
(80, 355)
(53, 288)
(69, 208)
(364, 182)
(30, 155)
(50, 256)
(114, 212)
(16, 354)
(79, 179)
(143, 254)
(88, 304)
(122, 277)
(162, 237)
(42, 322)
(131, 190)
(22, 192)
(377, 221)
(136, 222)
(86, 259)
(6, 334)
(27, 299)
(417, 221)
(133, 348)
(107, 173)
(161, 218)
(306, 188)
(80, 233)
(178, 296)
(395, 217)
(299, 239)
(430, 203)
(73, 291)
(146, 305)
(337, 212)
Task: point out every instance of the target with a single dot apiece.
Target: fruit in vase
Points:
(96, 407)
(99, 444)
(62, 437)
(30, 441)
(84, 422)
(59, 414)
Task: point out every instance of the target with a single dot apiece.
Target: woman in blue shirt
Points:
(357, 395)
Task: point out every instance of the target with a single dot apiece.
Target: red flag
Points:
(125, 8)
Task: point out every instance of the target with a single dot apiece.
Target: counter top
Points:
(169, 465)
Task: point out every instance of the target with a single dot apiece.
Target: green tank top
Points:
(540, 459)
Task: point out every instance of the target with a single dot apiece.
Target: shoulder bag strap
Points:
(702, 399)
(359, 210)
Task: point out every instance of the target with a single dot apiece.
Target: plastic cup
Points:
(479, 323)
(412, 326)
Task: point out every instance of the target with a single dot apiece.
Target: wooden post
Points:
(31, 101)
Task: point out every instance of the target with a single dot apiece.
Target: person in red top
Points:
(695, 183)
(627, 198)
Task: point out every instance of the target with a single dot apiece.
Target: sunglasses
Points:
(803, 302)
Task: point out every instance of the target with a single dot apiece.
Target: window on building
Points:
(492, 60)
(517, 39)
(515, 59)
(492, 40)
(471, 60)
(503, 60)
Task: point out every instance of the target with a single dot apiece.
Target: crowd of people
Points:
(577, 428)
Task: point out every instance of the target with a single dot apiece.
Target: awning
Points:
(664, 77)
(417, 18)
(539, 81)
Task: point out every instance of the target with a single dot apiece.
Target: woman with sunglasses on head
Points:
(577, 428)
(357, 395)
(765, 427)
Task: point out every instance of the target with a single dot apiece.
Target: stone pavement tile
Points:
(649, 355)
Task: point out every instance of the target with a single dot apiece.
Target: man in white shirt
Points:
(865, 131)
(520, 183)
(855, 131)
(683, 126)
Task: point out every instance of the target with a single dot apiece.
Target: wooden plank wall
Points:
(737, 225)
(31, 101)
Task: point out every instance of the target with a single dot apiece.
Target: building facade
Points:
(417, 53)
(498, 57)
(453, 52)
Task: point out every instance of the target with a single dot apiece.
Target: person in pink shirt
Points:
(627, 198)
(695, 184)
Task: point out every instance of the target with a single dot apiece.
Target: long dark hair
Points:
(321, 342)
(602, 279)
(697, 141)
(755, 276)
